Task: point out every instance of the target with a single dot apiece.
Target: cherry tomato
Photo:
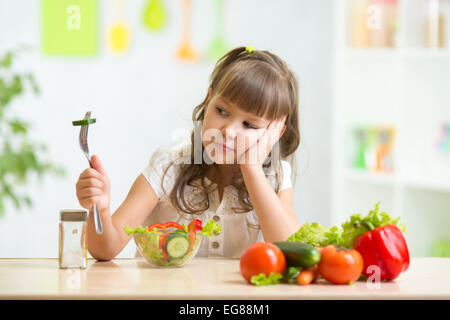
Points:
(262, 257)
(340, 266)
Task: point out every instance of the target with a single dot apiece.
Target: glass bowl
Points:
(164, 249)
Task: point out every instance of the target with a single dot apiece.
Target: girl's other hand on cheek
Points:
(255, 156)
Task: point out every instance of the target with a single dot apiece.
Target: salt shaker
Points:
(73, 239)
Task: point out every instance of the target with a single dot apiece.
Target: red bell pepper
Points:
(164, 226)
(162, 241)
(383, 247)
(193, 227)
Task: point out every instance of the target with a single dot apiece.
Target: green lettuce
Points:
(291, 274)
(129, 230)
(263, 280)
(152, 249)
(318, 235)
(358, 225)
(211, 227)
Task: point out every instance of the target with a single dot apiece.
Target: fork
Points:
(85, 149)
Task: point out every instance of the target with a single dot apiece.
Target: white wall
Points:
(140, 99)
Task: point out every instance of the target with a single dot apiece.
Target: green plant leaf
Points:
(19, 156)
(6, 60)
(18, 126)
(28, 201)
(32, 83)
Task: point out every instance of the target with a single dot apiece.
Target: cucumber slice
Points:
(83, 122)
(177, 246)
(176, 262)
(180, 261)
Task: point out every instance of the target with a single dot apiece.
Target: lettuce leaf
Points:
(291, 274)
(358, 225)
(152, 249)
(211, 227)
(129, 230)
(262, 280)
(185, 228)
(316, 234)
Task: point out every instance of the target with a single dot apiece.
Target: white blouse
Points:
(239, 230)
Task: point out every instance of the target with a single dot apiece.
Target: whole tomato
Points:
(340, 265)
(262, 257)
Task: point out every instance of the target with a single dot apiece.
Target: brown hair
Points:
(259, 83)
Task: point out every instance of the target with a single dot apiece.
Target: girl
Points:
(249, 115)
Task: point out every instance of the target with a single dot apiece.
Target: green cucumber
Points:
(180, 261)
(299, 254)
(83, 122)
(177, 245)
(176, 262)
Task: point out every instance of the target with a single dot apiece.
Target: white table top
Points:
(426, 278)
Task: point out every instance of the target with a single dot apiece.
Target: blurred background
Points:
(374, 81)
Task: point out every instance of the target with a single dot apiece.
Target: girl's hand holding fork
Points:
(93, 186)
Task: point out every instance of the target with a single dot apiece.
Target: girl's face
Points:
(225, 124)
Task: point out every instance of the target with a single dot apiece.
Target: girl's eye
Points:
(223, 113)
(248, 125)
(220, 110)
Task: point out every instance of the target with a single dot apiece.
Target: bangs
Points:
(256, 88)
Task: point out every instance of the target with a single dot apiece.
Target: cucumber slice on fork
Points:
(83, 122)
